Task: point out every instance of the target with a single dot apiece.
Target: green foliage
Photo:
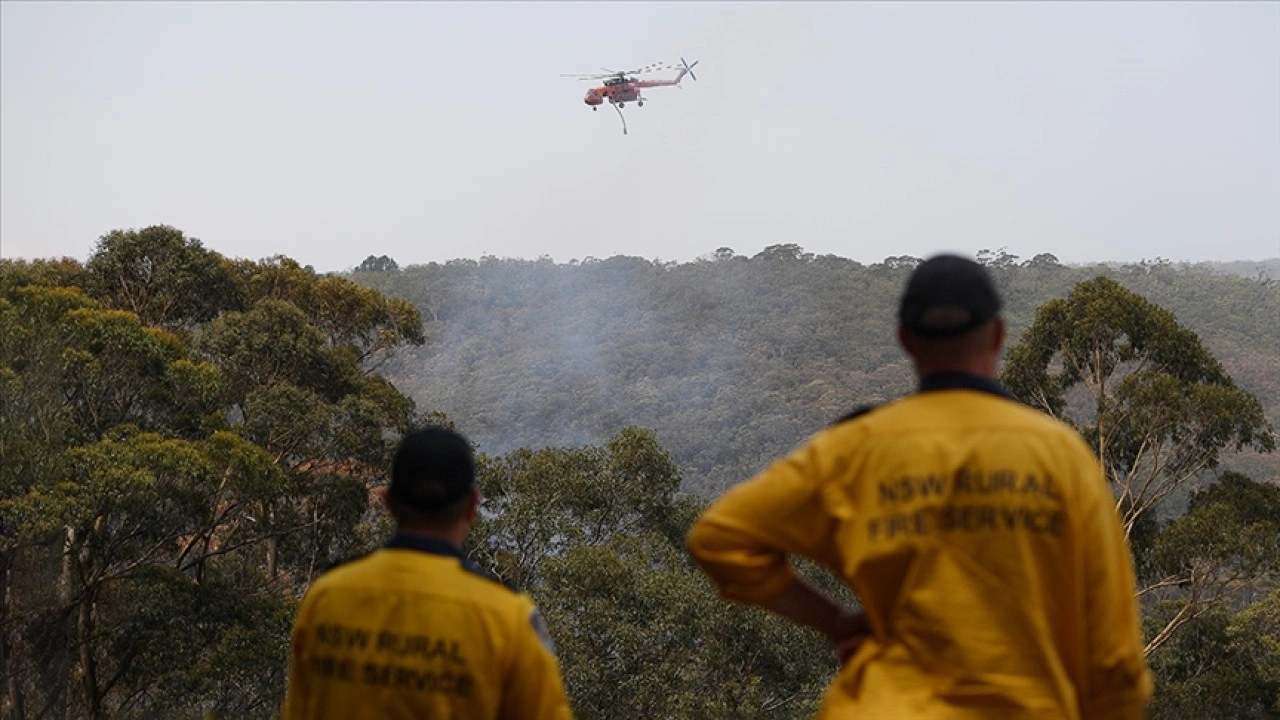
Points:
(63, 272)
(229, 658)
(1160, 408)
(272, 343)
(1235, 521)
(382, 263)
(534, 355)
(186, 440)
(540, 503)
(364, 324)
(1096, 330)
(1222, 666)
(596, 535)
(184, 446)
(641, 635)
(34, 414)
(1226, 545)
(192, 390)
(362, 319)
(162, 276)
(733, 360)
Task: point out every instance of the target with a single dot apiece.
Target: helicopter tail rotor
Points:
(688, 69)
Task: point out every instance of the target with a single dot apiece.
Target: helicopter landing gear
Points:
(622, 105)
(639, 103)
(594, 108)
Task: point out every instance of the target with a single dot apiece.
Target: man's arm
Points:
(803, 604)
(742, 543)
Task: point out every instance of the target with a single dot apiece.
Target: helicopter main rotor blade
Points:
(652, 67)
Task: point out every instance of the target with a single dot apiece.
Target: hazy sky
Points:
(430, 131)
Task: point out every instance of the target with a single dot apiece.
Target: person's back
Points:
(976, 554)
(410, 632)
(414, 630)
(979, 534)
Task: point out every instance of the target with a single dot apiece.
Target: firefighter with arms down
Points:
(414, 630)
(979, 535)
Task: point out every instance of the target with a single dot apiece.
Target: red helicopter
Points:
(620, 88)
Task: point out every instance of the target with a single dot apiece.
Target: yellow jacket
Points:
(983, 543)
(414, 631)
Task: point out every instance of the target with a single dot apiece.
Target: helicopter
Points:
(620, 88)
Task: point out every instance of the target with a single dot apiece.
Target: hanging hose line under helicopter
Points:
(624, 119)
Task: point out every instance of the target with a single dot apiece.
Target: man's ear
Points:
(385, 496)
(473, 505)
(905, 340)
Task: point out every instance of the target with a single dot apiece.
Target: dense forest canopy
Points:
(187, 440)
(732, 360)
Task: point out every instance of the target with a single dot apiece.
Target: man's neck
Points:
(455, 536)
(981, 367)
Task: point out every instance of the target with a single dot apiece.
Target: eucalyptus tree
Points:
(110, 458)
(185, 440)
(1158, 410)
(164, 277)
(1156, 406)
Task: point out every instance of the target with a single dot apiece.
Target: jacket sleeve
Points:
(1118, 684)
(742, 540)
(534, 689)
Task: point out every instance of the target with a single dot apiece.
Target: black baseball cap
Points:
(432, 469)
(947, 295)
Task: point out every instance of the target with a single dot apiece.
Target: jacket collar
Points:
(963, 381)
(431, 546)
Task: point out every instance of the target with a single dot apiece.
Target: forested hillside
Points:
(187, 440)
(732, 360)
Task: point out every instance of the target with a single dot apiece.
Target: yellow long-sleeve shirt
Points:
(411, 631)
(983, 542)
